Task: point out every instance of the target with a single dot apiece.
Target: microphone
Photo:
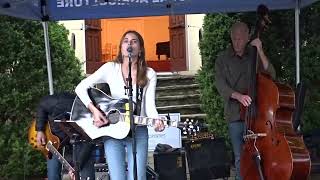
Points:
(129, 49)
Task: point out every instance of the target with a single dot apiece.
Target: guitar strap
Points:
(139, 94)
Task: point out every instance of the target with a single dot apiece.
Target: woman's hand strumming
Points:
(159, 125)
(99, 118)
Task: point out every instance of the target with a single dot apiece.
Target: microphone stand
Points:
(132, 124)
(74, 141)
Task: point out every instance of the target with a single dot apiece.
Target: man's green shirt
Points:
(232, 74)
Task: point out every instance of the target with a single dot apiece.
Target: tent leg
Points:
(297, 37)
(48, 56)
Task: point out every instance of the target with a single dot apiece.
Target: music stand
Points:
(76, 135)
(70, 127)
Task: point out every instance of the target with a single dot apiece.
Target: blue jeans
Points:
(115, 150)
(54, 167)
(236, 131)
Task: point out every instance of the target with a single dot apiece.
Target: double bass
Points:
(272, 149)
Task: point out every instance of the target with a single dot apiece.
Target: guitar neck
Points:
(144, 120)
(62, 160)
(140, 120)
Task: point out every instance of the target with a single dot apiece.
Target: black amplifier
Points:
(207, 158)
(170, 165)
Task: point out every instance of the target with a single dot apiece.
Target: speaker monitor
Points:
(170, 165)
(207, 159)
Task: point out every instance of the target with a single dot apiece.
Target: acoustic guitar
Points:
(116, 110)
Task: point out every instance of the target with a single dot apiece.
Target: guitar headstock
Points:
(191, 127)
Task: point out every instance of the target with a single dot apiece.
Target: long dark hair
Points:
(141, 64)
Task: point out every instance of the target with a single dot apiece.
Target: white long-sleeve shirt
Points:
(111, 73)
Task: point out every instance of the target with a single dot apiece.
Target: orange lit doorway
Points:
(164, 38)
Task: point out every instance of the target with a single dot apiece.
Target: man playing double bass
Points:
(232, 77)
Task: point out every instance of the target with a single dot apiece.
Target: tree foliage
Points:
(279, 44)
(215, 36)
(23, 81)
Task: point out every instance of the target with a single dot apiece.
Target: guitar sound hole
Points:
(113, 116)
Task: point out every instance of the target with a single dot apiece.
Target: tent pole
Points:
(48, 56)
(297, 37)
